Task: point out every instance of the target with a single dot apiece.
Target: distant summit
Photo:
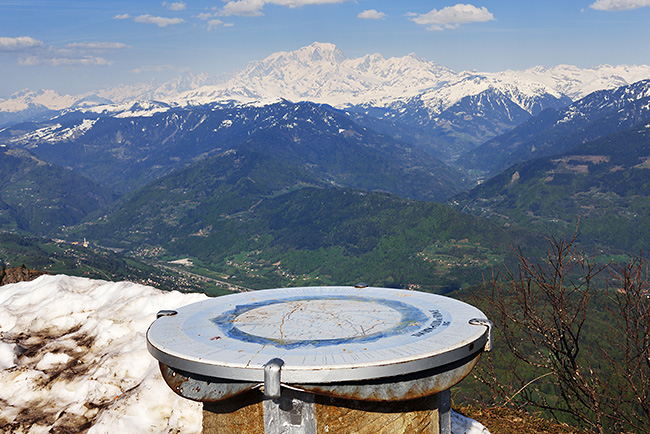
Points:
(408, 90)
(322, 73)
(316, 52)
(27, 98)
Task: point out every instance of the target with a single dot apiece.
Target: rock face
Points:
(18, 274)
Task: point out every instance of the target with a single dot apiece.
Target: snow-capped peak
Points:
(322, 73)
(26, 99)
(316, 52)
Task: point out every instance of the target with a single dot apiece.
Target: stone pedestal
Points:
(298, 412)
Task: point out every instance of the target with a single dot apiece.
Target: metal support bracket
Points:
(444, 412)
(162, 313)
(288, 411)
(484, 322)
(272, 387)
(291, 413)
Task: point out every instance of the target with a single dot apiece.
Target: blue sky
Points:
(76, 46)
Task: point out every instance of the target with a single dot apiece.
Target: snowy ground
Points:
(73, 358)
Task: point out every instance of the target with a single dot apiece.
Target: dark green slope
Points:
(340, 152)
(37, 198)
(259, 221)
(346, 236)
(605, 184)
(208, 196)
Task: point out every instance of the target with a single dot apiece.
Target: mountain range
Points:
(339, 187)
(557, 130)
(322, 73)
(259, 220)
(452, 112)
(147, 141)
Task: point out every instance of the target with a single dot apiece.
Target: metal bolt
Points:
(487, 323)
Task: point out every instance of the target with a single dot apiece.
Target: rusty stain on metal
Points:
(395, 389)
(243, 415)
(203, 389)
(401, 388)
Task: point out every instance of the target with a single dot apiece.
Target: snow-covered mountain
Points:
(27, 104)
(73, 358)
(167, 92)
(322, 73)
(47, 99)
(447, 112)
(556, 131)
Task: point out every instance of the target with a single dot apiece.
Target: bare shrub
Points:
(574, 339)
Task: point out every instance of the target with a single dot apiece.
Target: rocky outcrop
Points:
(18, 274)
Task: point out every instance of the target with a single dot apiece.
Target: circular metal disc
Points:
(322, 334)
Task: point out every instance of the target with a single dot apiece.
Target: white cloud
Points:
(299, 3)
(152, 68)
(254, 7)
(73, 54)
(214, 24)
(619, 5)
(451, 17)
(122, 17)
(97, 45)
(177, 6)
(64, 61)
(247, 8)
(371, 14)
(159, 21)
(19, 43)
(205, 15)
